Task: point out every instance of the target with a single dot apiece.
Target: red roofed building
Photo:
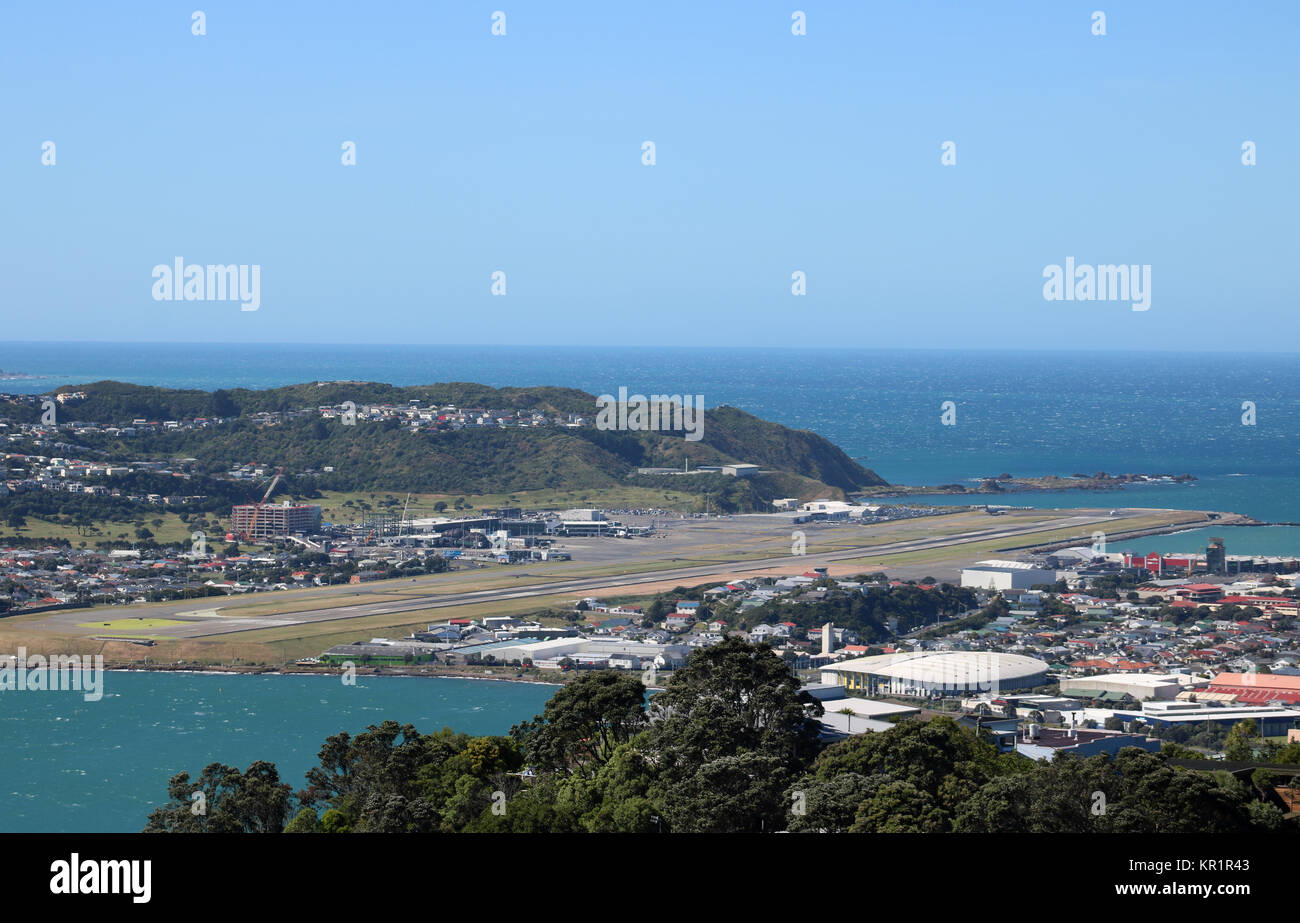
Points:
(1199, 592)
(1156, 563)
(1259, 688)
(1092, 665)
(1282, 604)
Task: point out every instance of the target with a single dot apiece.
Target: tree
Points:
(223, 405)
(937, 757)
(899, 807)
(657, 611)
(335, 821)
(584, 722)
(382, 757)
(1140, 791)
(1157, 798)
(1054, 797)
(305, 821)
(732, 697)
(1241, 741)
(1263, 779)
(737, 792)
(1288, 755)
(254, 801)
(617, 799)
(829, 805)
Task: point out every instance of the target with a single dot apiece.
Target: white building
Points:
(1005, 575)
(1141, 686)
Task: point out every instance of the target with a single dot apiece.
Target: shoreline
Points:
(1006, 484)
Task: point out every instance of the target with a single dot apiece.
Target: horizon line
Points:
(1173, 350)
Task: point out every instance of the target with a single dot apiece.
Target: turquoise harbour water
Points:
(86, 767)
(75, 766)
(1261, 540)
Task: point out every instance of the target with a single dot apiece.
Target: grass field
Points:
(166, 528)
(131, 624)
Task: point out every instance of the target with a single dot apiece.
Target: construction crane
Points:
(257, 509)
(402, 525)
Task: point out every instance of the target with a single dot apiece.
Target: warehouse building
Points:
(1271, 722)
(1005, 575)
(1141, 686)
(587, 652)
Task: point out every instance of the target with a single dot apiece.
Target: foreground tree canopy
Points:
(730, 745)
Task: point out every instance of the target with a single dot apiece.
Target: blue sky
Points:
(775, 153)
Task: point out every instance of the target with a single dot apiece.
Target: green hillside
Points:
(388, 456)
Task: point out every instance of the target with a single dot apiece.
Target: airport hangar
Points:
(1005, 575)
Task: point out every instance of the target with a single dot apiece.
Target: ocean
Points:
(88, 767)
(72, 766)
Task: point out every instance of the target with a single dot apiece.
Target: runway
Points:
(206, 617)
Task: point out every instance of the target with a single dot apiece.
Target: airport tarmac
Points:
(688, 552)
